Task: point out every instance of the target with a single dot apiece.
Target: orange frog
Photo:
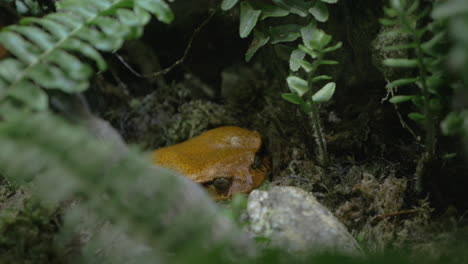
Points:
(225, 160)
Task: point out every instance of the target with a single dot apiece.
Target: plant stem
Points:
(429, 120)
(429, 123)
(323, 154)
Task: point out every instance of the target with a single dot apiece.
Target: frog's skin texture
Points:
(224, 160)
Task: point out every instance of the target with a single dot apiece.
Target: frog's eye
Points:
(257, 164)
(222, 184)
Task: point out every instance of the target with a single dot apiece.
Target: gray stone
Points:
(292, 218)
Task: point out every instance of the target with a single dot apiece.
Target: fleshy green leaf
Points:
(450, 8)
(398, 4)
(401, 63)
(297, 54)
(248, 18)
(319, 11)
(390, 12)
(453, 124)
(324, 94)
(228, 4)
(320, 78)
(315, 38)
(308, 67)
(418, 117)
(333, 48)
(307, 34)
(284, 33)
(388, 22)
(297, 85)
(313, 54)
(428, 46)
(401, 82)
(298, 7)
(401, 99)
(328, 62)
(292, 98)
(259, 40)
(306, 107)
(269, 10)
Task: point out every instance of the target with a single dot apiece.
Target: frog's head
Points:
(225, 160)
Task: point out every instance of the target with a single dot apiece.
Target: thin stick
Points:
(154, 75)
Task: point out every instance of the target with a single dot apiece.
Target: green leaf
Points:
(128, 18)
(435, 105)
(37, 36)
(308, 33)
(401, 82)
(428, 46)
(328, 62)
(48, 52)
(313, 54)
(325, 94)
(330, 1)
(298, 7)
(333, 48)
(319, 40)
(453, 124)
(413, 7)
(158, 8)
(228, 4)
(284, 33)
(401, 63)
(305, 65)
(292, 98)
(320, 78)
(315, 38)
(390, 12)
(30, 95)
(450, 9)
(10, 69)
(401, 99)
(86, 50)
(19, 47)
(269, 10)
(398, 4)
(259, 40)
(297, 85)
(306, 107)
(388, 22)
(319, 11)
(297, 54)
(418, 117)
(248, 18)
(434, 82)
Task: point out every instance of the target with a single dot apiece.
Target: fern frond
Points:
(47, 50)
(152, 204)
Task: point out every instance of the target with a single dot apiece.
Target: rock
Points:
(292, 218)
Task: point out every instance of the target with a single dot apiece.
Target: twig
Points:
(402, 121)
(393, 214)
(154, 75)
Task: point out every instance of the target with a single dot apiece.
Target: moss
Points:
(197, 116)
(28, 235)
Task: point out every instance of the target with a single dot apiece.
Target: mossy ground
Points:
(369, 185)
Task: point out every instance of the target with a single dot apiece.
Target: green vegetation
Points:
(69, 194)
(315, 45)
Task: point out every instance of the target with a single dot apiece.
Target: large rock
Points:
(293, 219)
